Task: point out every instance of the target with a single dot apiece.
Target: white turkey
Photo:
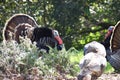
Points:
(94, 62)
(24, 25)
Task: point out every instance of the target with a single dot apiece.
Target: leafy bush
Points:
(24, 62)
(25, 59)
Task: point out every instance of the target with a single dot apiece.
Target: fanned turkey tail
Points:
(115, 38)
(17, 21)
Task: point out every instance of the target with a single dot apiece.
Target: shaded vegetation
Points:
(78, 22)
(74, 19)
(25, 61)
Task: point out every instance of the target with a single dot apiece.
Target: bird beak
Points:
(60, 42)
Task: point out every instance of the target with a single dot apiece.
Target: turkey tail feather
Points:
(115, 38)
(14, 21)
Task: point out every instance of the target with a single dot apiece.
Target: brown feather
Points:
(13, 22)
(115, 39)
(19, 29)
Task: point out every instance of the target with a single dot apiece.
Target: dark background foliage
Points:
(78, 21)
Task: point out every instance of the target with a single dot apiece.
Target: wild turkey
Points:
(13, 22)
(115, 41)
(94, 62)
(24, 25)
(106, 41)
(45, 36)
(113, 54)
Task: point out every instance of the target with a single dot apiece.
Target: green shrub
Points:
(26, 59)
(26, 56)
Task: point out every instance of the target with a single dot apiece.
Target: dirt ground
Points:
(111, 76)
